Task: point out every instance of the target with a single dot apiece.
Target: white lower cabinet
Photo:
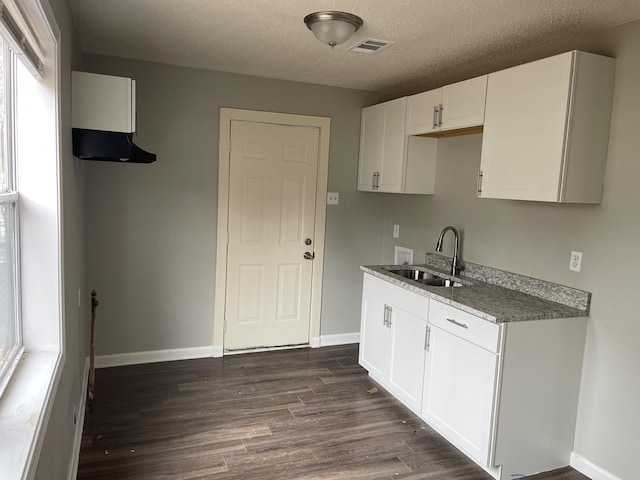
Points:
(406, 368)
(460, 384)
(374, 336)
(505, 394)
(392, 339)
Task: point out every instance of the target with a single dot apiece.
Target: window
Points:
(31, 115)
(10, 328)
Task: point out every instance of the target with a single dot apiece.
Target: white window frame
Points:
(11, 197)
(27, 402)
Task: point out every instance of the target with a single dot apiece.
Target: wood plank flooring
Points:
(293, 414)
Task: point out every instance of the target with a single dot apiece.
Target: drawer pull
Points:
(451, 320)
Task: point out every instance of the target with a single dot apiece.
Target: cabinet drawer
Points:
(394, 295)
(466, 326)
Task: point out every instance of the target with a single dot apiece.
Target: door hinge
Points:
(479, 183)
(227, 239)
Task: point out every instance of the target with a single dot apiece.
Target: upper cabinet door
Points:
(546, 130)
(382, 147)
(422, 112)
(371, 145)
(456, 106)
(463, 103)
(393, 149)
(525, 117)
(103, 102)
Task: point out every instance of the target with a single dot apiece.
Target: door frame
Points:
(227, 115)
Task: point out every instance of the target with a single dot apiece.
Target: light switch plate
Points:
(396, 231)
(333, 198)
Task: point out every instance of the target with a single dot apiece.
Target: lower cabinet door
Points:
(406, 370)
(459, 392)
(374, 336)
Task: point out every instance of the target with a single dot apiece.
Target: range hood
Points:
(108, 147)
(104, 119)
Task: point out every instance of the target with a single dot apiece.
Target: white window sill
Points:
(24, 407)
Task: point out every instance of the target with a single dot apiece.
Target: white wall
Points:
(536, 239)
(151, 229)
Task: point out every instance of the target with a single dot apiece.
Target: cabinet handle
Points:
(440, 110)
(427, 334)
(455, 322)
(387, 319)
(435, 117)
(390, 310)
(479, 183)
(375, 181)
(384, 317)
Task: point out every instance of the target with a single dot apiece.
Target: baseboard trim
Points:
(77, 436)
(590, 469)
(135, 358)
(339, 339)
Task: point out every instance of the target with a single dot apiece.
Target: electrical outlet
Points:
(396, 231)
(333, 198)
(576, 261)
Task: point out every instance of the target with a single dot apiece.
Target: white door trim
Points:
(324, 125)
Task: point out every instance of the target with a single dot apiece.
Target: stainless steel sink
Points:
(424, 277)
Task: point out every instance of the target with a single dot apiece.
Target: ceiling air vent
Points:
(370, 45)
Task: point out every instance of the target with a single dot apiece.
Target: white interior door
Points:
(272, 195)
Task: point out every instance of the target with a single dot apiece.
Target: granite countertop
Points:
(484, 294)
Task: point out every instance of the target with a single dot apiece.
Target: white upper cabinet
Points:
(546, 130)
(453, 107)
(103, 102)
(389, 160)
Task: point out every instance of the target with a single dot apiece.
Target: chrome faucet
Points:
(454, 265)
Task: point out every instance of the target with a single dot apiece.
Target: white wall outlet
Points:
(333, 198)
(402, 256)
(396, 231)
(576, 261)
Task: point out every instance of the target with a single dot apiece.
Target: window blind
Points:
(19, 42)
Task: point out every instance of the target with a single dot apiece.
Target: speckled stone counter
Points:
(493, 294)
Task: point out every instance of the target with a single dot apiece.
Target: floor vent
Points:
(370, 45)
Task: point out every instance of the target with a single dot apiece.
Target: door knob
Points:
(309, 255)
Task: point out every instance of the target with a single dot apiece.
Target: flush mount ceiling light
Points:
(333, 28)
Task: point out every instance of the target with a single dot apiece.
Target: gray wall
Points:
(151, 229)
(536, 239)
(58, 442)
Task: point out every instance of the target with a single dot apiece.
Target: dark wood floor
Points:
(294, 414)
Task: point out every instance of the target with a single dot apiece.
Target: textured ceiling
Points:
(436, 41)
